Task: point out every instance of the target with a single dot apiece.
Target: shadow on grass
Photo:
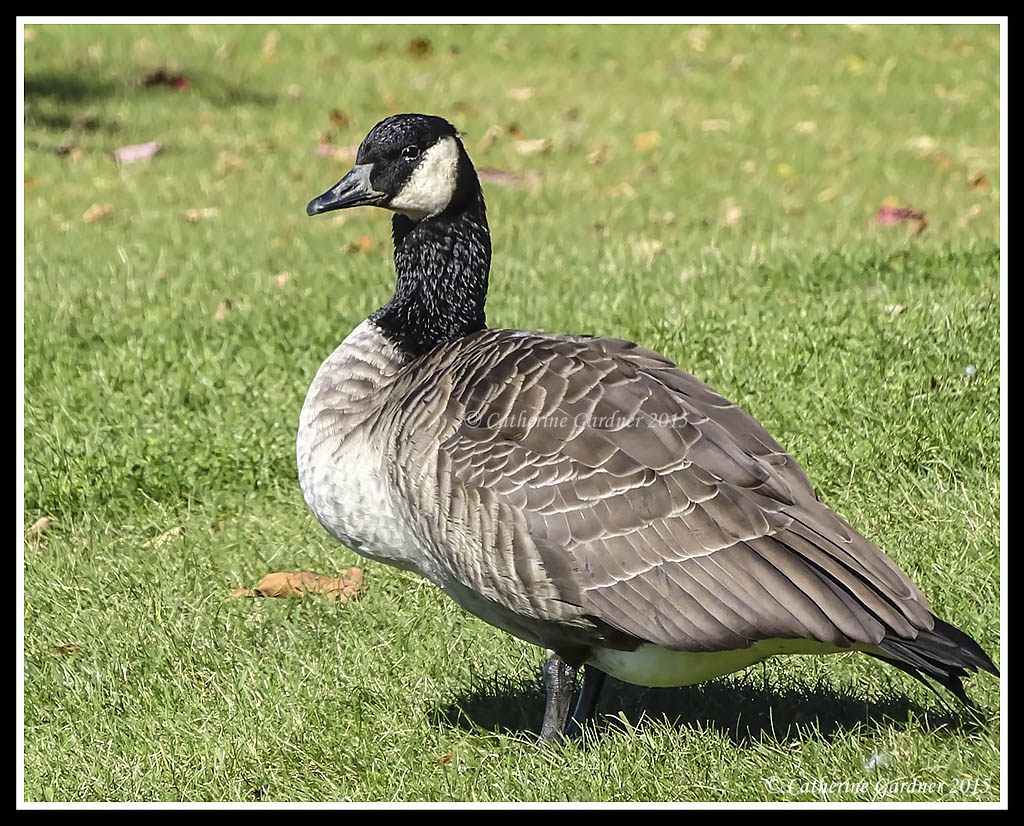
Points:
(55, 100)
(741, 709)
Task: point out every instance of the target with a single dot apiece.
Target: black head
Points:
(412, 164)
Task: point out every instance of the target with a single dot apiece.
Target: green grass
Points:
(165, 367)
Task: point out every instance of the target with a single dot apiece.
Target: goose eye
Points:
(411, 153)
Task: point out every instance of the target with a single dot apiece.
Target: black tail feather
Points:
(946, 654)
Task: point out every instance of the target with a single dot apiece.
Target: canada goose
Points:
(581, 493)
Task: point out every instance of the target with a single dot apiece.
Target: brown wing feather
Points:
(630, 494)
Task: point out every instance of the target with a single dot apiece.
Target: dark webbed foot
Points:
(593, 681)
(560, 684)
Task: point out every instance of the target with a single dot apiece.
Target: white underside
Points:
(652, 665)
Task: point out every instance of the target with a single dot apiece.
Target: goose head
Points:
(414, 165)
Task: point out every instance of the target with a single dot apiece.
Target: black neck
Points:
(442, 264)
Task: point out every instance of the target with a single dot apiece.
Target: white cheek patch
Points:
(432, 184)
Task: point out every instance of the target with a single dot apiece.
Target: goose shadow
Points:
(744, 708)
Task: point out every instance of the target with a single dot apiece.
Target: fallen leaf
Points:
(97, 212)
(520, 92)
(161, 77)
(363, 244)
(516, 131)
(268, 54)
(446, 758)
(339, 118)
(420, 47)
(194, 216)
(489, 137)
(643, 141)
(934, 382)
(598, 156)
(342, 154)
(979, 180)
(86, 120)
(227, 162)
(40, 526)
(970, 215)
(698, 37)
(137, 152)
(915, 219)
(894, 309)
(65, 650)
(502, 177)
(71, 151)
(282, 279)
(165, 537)
(647, 248)
(222, 310)
(538, 146)
(344, 587)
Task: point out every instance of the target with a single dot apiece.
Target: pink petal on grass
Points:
(915, 219)
(137, 152)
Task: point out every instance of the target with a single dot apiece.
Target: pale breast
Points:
(342, 453)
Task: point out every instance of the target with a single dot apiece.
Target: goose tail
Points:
(945, 654)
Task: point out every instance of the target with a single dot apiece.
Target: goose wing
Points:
(589, 479)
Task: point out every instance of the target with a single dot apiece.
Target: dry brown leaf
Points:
(979, 181)
(363, 244)
(65, 650)
(344, 587)
(97, 212)
(342, 154)
(339, 118)
(194, 216)
(970, 215)
(268, 54)
(623, 189)
(698, 37)
(520, 92)
(489, 137)
(538, 146)
(165, 537)
(829, 193)
(227, 162)
(502, 177)
(643, 141)
(71, 151)
(516, 131)
(420, 47)
(40, 526)
(647, 248)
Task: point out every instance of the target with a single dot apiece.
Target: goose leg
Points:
(593, 681)
(560, 684)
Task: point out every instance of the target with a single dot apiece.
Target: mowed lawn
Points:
(708, 191)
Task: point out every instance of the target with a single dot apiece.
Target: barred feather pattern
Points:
(582, 491)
